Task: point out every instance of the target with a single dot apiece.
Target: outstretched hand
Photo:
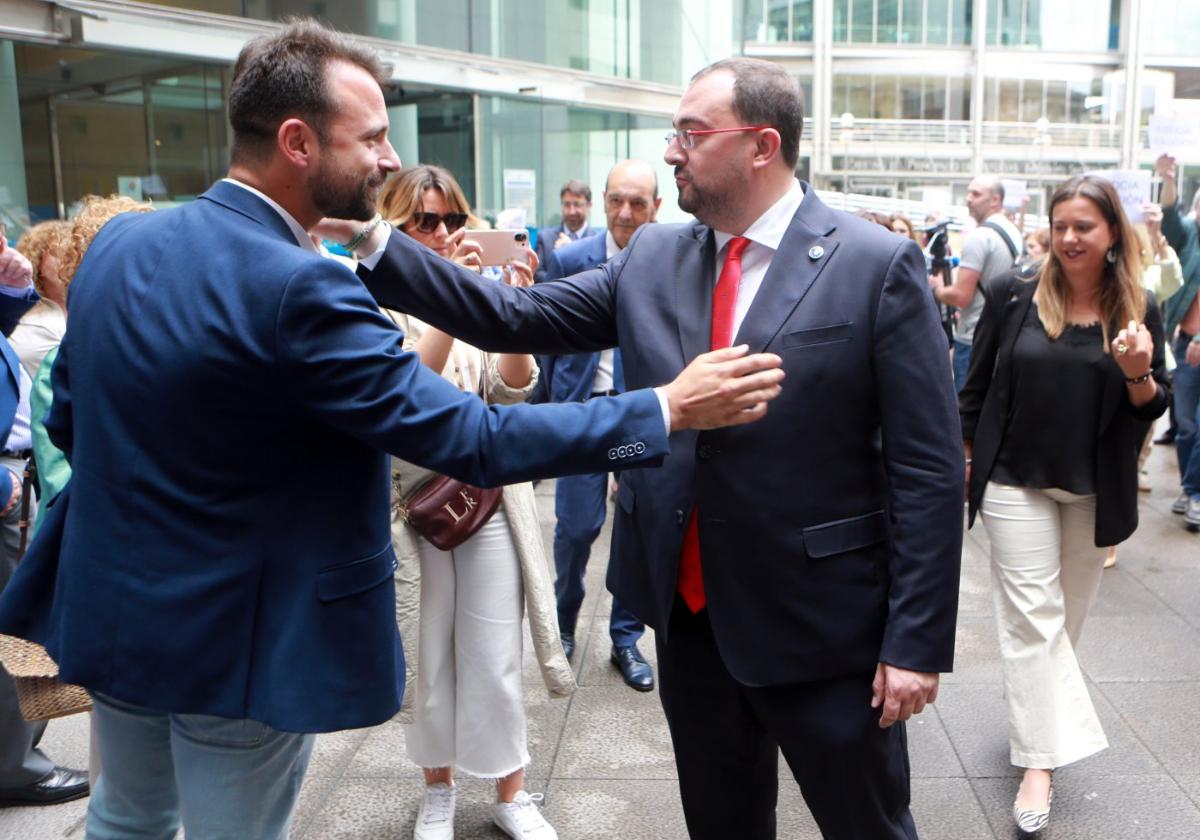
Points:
(901, 693)
(15, 269)
(724, 387)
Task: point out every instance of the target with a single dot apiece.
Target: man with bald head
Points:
(988, 251)
(630, 200)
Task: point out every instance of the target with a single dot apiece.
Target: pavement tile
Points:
(976, 653)
(1100, 808)
(333, 751)
(1125, 591)
(1140, 648)
(1162, 715)
(386, 809)
(931, 754)
(976, 719)
(1190, 782)
(615, 733)
(946, 809)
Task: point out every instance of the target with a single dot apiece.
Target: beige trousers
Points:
(1046, 572)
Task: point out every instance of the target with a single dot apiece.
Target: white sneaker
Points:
(1192, 514)
(521, 819)
(435, 817)
(1180, 505)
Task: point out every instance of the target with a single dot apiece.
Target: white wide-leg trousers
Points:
(1046, 572)
(469, 710)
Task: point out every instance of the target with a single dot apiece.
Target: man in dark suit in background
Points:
(218, 572)
(576, 198)
(630, 200)
(27, 776)
(801, 575)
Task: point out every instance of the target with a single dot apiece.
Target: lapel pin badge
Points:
(816, 252)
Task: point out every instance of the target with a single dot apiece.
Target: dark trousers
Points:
(853, 775)
(580, 508)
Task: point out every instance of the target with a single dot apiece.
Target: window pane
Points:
(861, 24)
(777, 20)
(1056, 101)
(937, 16)
(1031, 100)
(802, 20)
(887, 21)
(751, 13)
(960, 22)
(935, 98)
(841, 25)
(910, 98)
(912, 13)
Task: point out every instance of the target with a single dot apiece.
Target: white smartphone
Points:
(500, 247)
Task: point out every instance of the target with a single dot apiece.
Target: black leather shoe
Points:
(635, 670)
(62, 785)
(568, 643)
(1166, 438)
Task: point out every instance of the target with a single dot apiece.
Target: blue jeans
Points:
(1187, 417)
(579, 508)
(961, 360)
(224, 779)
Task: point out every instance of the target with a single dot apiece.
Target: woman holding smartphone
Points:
(1066, 377)
(468, 707)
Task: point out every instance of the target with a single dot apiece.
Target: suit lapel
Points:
(693, 289)
(787, 281)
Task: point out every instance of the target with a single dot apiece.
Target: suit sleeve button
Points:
(679, 517)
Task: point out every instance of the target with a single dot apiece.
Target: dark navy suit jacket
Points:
(12, 307)
(546, 238)
(569, 377)
(226, 400)
(831, 529)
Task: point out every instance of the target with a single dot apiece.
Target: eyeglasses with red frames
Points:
(687, 136)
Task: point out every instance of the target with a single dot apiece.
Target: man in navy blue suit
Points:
(27, 776)
(576, 200)
(218, 572)
(631, 200)
(801, 575)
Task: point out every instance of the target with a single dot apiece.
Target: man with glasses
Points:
(631, 200)
(576, 198)
(801, 576)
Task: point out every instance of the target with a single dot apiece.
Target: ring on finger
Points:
(1122, 347)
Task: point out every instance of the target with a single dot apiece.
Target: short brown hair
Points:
(39, 240)
(765, 94)
(576, 187)
(281, 76)
(400, 197)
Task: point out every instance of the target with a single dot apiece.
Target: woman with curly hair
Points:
(42, 327)
(1066, 377)
(71, 243)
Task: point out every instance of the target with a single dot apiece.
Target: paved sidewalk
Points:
(603, 757)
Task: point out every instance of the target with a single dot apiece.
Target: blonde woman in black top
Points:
(1065, 378)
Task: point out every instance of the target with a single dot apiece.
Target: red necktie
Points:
(691, 580)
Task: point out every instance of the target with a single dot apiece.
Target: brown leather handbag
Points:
(446, 511)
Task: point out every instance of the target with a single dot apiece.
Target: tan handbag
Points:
(40, 693)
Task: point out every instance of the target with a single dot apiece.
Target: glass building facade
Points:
(906, 98)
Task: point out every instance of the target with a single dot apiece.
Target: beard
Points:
(341, 195)
(710, 204)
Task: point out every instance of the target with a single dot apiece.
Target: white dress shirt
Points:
(764, 234)
(604, 370)
(302, 237)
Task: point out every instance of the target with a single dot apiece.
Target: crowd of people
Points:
(257, 461)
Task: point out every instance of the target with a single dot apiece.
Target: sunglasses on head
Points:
(428, 222)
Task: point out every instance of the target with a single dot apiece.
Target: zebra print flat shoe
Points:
(1030, 822)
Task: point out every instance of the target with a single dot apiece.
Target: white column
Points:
(1131, 122)
(821, 107)
(979, 23)
(14, 206)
